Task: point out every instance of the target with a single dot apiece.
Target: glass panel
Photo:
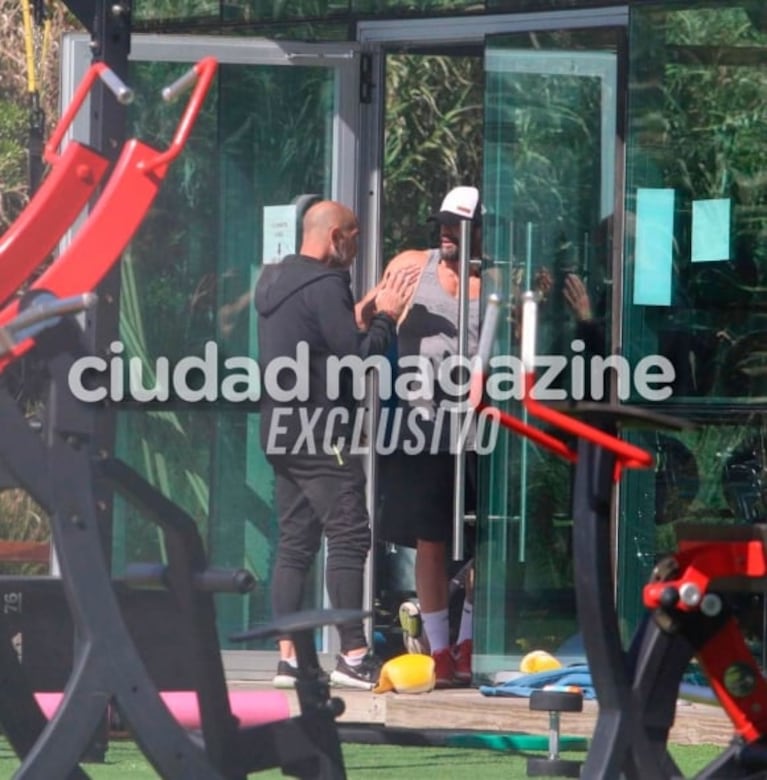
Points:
(159, 317)
(424, 7)
(433, 123)
(549, 168)
(695, 285)
(266, 138)
(176, 9)
(207, 16)
(245, 13)
(433, 142)
(715, 473)
(515, 6)
(233, 13)
(291, 9)
(696, 205)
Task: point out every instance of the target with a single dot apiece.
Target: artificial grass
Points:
(376, 762)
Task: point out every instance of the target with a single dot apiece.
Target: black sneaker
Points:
(364, 675)
(286, 676)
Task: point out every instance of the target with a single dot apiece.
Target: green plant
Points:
(22, 519)
(434, 108)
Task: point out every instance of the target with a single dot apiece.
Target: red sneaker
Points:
(462, 662)
(444, 668)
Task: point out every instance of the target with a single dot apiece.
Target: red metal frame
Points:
(128, 196)
(73, 178)
(627, 455)
(545, 440)
(702, 565)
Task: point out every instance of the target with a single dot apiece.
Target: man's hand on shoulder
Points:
(411, 261)
(396, 290)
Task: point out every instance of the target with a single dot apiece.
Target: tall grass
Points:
(22, 519)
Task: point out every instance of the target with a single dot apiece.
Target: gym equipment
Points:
(136, 179)
(519, 742)
(73, 178)
(106, 666)
(408, 673)
(637, 689)
(538, 661)
(251, 708)
(41, 312)
(56, 470)
(107, 670)
(554, 702)
(503, 741)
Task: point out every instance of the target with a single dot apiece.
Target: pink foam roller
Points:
(251, 707)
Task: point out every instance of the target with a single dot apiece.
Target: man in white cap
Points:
(417, 478)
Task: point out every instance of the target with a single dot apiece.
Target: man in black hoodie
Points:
(306, 317)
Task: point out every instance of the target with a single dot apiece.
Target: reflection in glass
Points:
(264, 139)
(713, 474)
(696, 127)
(697, 130)
(549, 190)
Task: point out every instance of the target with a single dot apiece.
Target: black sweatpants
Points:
(316, 494)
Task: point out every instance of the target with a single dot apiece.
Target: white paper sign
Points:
(279, 233)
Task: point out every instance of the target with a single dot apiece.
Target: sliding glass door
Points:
(550, 156)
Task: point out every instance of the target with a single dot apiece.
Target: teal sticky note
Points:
(711, 230)
(654, 246)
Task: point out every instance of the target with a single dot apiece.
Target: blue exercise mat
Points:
(524, 685)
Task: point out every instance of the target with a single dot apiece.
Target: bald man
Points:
(306, 317)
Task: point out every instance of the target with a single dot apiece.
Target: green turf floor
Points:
(373, 762)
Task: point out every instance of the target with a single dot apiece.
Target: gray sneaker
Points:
(364, 675)
(413, 635)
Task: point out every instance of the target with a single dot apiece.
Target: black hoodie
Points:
(301, 300)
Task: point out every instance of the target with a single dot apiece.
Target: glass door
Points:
(695, 287)
(551, 164)
(278, 126)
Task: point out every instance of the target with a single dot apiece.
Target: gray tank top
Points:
(431, 331)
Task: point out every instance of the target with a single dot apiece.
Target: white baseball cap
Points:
(460, 203)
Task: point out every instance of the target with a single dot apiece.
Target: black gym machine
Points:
(107, 657)
(108, 671)
(637, 689)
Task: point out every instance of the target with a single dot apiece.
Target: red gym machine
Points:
(688, 614)
(73, 178)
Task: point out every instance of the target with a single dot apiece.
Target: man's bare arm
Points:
(410, 262)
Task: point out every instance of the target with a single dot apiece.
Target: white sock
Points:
(293, 661)
(437, 628)
(465, 631)
(354, 660)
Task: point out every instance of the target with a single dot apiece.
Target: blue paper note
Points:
(653, 251)
(711, 230)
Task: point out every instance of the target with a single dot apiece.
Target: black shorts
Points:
(416, 496)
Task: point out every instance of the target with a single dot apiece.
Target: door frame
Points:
(358, 131)
(379, 37)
